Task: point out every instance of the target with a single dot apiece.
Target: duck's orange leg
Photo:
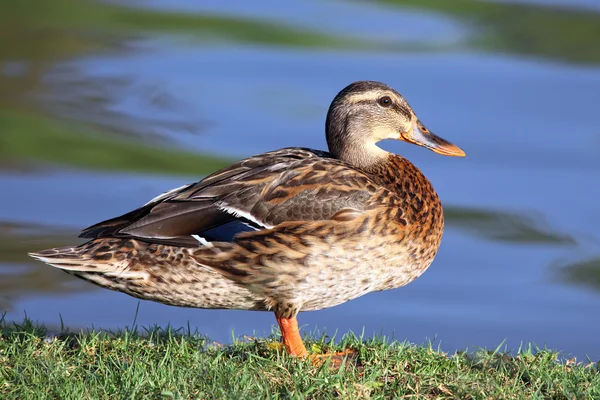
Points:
(291, 336)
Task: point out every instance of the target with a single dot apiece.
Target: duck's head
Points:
(364, 113)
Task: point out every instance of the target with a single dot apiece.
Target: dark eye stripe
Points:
(402, 110)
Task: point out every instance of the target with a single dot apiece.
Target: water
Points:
(520, 260)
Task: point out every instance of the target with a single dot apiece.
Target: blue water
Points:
(529, 127)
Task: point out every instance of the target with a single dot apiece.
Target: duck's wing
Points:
(257, 193)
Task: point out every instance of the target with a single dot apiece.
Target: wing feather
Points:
(259, 192)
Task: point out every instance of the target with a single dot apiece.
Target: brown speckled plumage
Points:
(300, 229)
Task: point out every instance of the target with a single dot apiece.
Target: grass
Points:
(166, 363)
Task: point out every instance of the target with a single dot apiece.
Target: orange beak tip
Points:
(450, 150)
(460, 153)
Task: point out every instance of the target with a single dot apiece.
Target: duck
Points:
(285, 231)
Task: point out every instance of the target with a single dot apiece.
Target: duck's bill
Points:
(421, 136)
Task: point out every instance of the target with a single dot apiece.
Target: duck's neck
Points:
(356, 148)
(366, 157)
(350, 139)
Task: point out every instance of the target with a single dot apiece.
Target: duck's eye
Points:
(385, 101)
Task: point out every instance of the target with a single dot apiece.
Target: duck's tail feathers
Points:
(100, 255)
(69, 258)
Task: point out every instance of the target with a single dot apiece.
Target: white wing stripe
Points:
(243, 214)
(202, 241)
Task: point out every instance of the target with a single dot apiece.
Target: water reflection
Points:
(585, 273)
(111, 103)
(19, 277)
(505, 226)
(538, 30)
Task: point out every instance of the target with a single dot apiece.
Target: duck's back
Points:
(260, 192)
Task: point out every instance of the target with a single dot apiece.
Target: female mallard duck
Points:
(290, 230)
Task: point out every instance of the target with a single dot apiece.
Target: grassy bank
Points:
(160, 363)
